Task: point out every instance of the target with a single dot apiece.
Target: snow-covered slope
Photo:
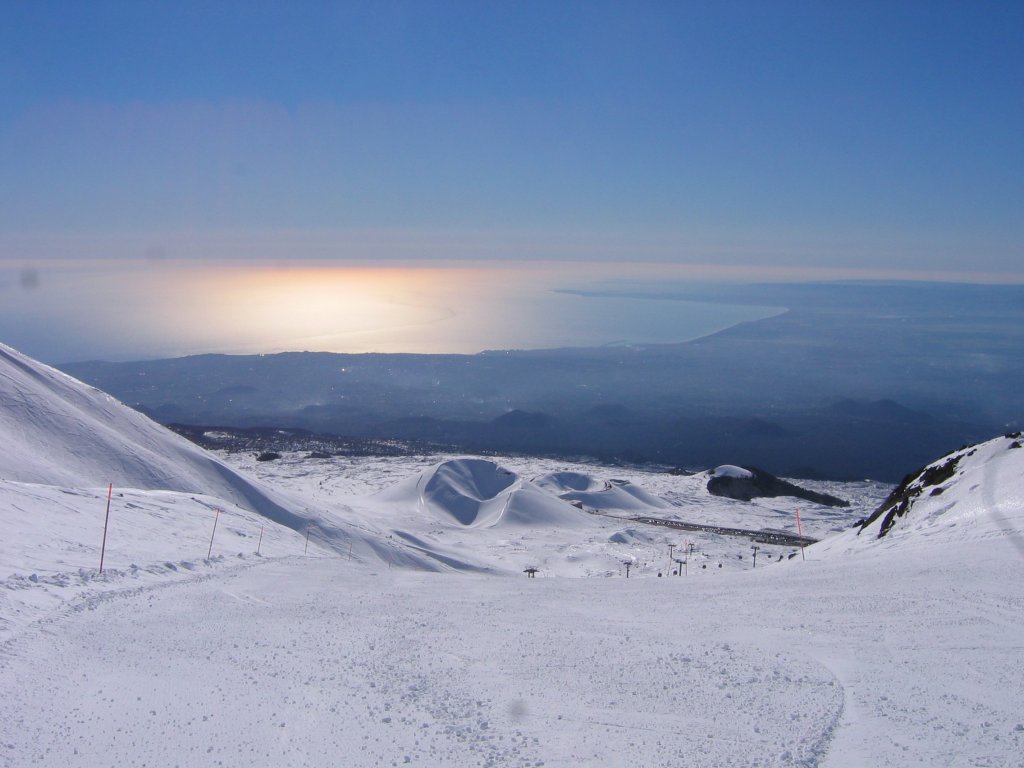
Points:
(63, 442)
(972, 494)
(58, 431)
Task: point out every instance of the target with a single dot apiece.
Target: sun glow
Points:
(284, 307)
(397, 308)
(355, 309)
(165, 308)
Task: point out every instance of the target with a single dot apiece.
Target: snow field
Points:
(50, 550)
(550, 534)
(316, 662)
(144, 527)
(310, 679)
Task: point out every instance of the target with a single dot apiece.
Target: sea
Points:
(117, 311)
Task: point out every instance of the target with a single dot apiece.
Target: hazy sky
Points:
(856, 134)
(865, 136)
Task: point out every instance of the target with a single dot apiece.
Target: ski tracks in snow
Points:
(311, 662)
(307, 663)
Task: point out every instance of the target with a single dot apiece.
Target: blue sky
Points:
(874, 135)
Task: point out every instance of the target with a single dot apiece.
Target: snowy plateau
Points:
(377, 612)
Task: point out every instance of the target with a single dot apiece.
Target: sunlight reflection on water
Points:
(166, 309)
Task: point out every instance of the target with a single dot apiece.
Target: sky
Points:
(872, 137)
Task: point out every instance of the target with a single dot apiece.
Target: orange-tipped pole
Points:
(800, 532)
(106, 520)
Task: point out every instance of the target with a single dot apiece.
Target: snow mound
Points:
(476, 493)
(568, 482)
(631, 536)
(975, 493)
(600, 495)
(731, 470)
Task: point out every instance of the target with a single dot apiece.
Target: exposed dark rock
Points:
(319, 455)
(913, 485)
(763, 484)
(268, 456)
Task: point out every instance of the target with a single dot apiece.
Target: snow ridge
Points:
(59, 431)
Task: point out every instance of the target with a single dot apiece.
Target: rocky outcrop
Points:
(756, 483)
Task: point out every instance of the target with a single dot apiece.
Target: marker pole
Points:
(800, 533)
(306, 548)
(106, 519)
(215, 519)
(260, 542)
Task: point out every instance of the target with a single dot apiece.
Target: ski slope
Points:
(311, 662)
(421, 643)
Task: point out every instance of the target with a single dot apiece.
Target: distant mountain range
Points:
(856, 380)
(384, 397)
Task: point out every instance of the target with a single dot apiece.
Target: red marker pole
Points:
(800, 533)
(106, 519)
(215, 519)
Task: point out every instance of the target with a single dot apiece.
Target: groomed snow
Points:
(311, 662)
